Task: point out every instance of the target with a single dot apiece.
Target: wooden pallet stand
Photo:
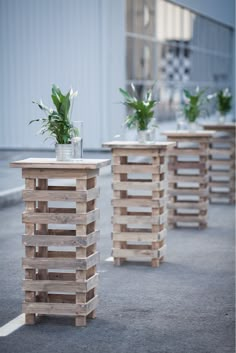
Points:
(188, 178)
(222, 163)
(60, 242)
(139, 201)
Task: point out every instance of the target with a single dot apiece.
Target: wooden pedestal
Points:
(222, 163)
(188, 178)
(60, 242)
(139, 201)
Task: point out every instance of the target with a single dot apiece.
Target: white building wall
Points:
(75, 43)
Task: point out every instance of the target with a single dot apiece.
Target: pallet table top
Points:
(219, 127)
(186, 133)
(138, 145)
(52, 163)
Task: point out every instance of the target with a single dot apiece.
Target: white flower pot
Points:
(63, 152)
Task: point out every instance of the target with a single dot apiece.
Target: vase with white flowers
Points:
(223, 101)
(57, 123)
(141, 112)
(194, 106)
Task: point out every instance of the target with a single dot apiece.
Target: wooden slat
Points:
(188, 191)
(139, 236)
(51, 195)
(135, 253)
(139, 201)
(221, 162)
(61, 263)
(139, 219)
(201, 205)
(64, 240)
(60, 308)
(61, 286)
(187, 165)
(188, 178)
(138, 153)
(221, 184)
(135, 145)
(185, 217)
(135, 168)
(51, 174)
(52, 163)
(139, 185)
(62, 218)
(188, 152)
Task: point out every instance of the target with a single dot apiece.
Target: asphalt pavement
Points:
(185, 306)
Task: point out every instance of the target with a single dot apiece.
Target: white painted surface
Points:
(12, 325)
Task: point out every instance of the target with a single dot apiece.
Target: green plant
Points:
(142, 109)
(223, 98)
(194, 104)
(57, 122)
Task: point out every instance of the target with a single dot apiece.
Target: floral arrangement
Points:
(142, 110)
(57, 122)
(223, 99)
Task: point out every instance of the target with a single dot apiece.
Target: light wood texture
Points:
(188, 178)
(139, 202)
(222, 163)
(62, 280)
(52, 163)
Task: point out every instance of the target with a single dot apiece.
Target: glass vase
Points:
(77, 140)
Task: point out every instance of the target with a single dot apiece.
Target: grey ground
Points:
(184, 306)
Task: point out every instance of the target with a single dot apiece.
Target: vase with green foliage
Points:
(141, 111)
(57, 123)
(194, 106)
(223, 101)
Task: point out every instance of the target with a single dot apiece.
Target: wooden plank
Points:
(221, 151)
(137, 253)
(136, 168)
(139, 219)
(139, 201)
(187, 165)
(61, 286)
(137, 145)
(188, 152)
(188, 204)
(223, 173)
(58, 174)
(190, 135)
(139, 236)
(221, 184)
(61, 276)
(188, 178)
(64, 240)
(62, 218)
(61, 308)
(188, 191)
(52, 163)
(185, 217)
(123, 152)
(61, 263)
(140, 185)
(51, 195)
(221, 162)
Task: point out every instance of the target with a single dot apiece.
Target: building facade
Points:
(97, 46)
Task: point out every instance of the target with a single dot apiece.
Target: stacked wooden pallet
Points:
(188, 178)
(222, 163)
(60, 243)
(139, 201)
